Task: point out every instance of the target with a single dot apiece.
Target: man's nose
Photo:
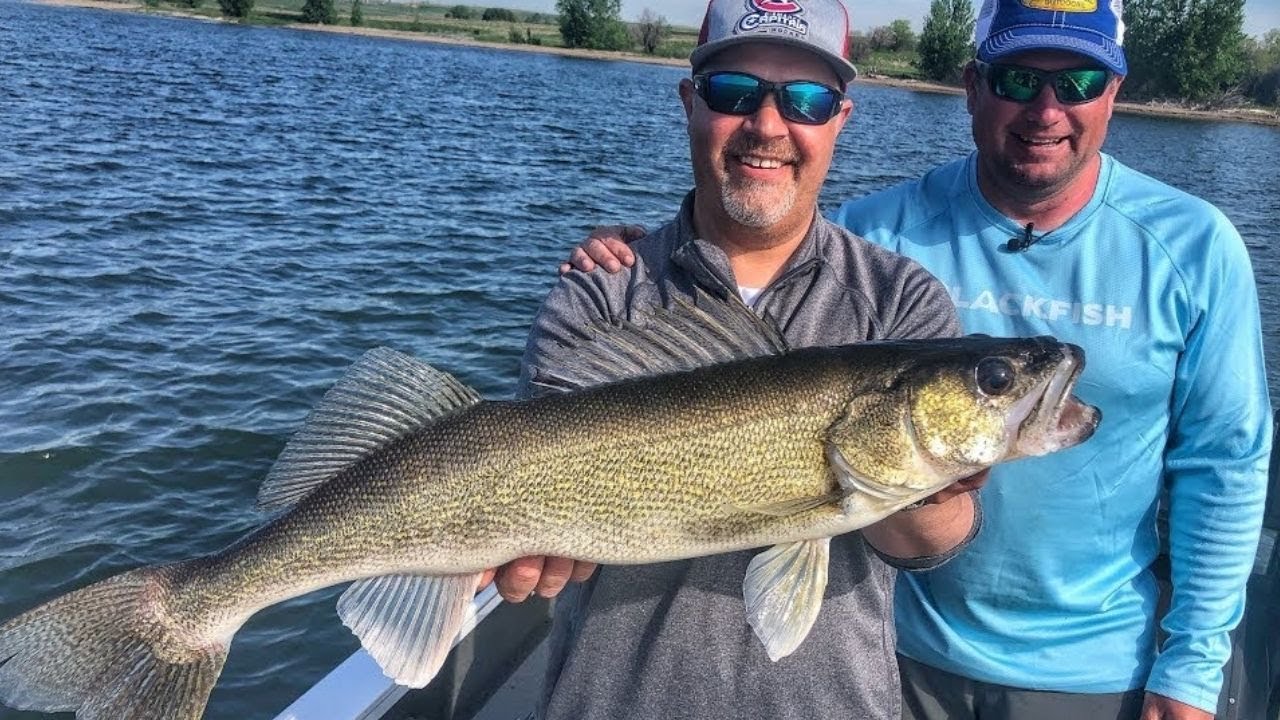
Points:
(1045, 106)
(767, 120)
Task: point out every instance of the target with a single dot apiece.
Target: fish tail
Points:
(110, 651)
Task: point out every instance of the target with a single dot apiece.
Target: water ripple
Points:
(202, 225)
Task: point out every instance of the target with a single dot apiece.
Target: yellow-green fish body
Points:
(404, 481)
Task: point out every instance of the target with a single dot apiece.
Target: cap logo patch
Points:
(778, 6)
(1072, 6)
(773, 15)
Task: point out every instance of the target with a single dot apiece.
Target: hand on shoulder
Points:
(605, 247)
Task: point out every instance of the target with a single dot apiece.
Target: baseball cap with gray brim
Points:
(1093, 28)
(819, 26)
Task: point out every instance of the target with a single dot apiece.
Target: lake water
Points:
(202, 225)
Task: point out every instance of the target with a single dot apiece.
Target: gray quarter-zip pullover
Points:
(670, 641)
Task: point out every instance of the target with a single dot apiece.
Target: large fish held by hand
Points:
(691, 432)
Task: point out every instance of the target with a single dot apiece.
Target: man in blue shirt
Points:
(1051, 613)
(1038, 232)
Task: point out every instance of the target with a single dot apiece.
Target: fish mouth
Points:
(1060, 420)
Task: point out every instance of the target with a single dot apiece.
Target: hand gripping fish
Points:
(690, 432)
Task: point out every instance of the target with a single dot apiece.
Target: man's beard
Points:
(756, 203)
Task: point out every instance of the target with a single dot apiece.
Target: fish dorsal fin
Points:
(383, 396)
(408, 623)
(684, 336)
(783, 592)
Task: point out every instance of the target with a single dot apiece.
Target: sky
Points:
(1259, 15)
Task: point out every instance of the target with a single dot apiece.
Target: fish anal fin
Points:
(783, 592)
(408, 623)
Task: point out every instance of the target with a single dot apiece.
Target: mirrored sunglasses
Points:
(739, 93)
(1072, 86)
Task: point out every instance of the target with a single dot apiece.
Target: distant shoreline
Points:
(1255, 116)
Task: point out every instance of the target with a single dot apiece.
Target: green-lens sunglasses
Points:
(739, 93)
(1072, 86)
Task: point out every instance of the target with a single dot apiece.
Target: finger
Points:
(485, 578)
(621, 251)
(565, 267)
(600, 232)
(946, 494)
(974, 482)
(556, 572)
(517, 579)
(582, 571)
(950, 492)
(632, 233)
(600, 252)
(581, 260)
(960, 487)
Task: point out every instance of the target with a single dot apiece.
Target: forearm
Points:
(1213, 539)
(929, 531)
(1215, 464)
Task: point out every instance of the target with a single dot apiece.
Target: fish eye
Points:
(994, 375)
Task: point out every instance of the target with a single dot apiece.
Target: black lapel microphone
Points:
(1026, 240)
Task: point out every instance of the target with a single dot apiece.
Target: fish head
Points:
(942, 410)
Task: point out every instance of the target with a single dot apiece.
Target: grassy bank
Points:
(537, 32)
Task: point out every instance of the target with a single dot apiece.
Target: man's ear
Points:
(687, 94)
(1112, 94)
(970, 86)
(846, 111)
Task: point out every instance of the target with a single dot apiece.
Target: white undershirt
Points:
(749, 295)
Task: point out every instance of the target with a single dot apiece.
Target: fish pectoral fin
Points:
(787, 508)
(854, 481)
(408, 623)
(783, 592)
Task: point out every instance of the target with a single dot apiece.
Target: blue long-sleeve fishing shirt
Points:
(1057, 592)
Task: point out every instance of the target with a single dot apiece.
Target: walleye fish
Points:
(693, 432)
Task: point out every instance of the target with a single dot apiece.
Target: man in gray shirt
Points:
(670, 640)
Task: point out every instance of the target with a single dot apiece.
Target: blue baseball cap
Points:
(1093, 28)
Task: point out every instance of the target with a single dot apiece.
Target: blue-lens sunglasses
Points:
(1072, 86)
(739, 93)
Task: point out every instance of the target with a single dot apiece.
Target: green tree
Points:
(859, 47)
(498, 14)
(1270, 46)
(236, 8)
(904, 36)
(945, 44)
(1262, 78)
(650, 30)
(595, 24)
(882, 38)
(1185, 49)
(319, 11)
(460, 12)
(357, 13)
